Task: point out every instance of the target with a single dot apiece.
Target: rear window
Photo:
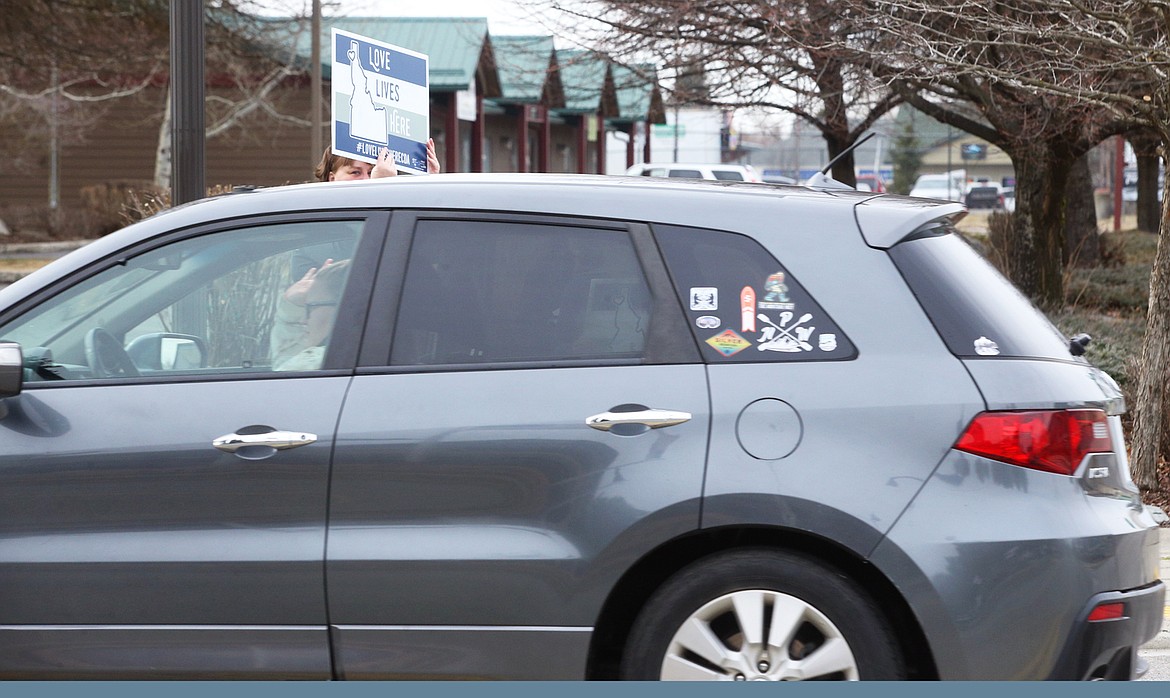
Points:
(977, 312)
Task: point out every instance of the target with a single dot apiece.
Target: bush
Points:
(112, 204)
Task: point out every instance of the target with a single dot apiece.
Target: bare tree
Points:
(58, 56)
(1079, 70)
(754, 53)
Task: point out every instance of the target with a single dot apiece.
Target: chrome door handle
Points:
(279, 440)
(655, 419)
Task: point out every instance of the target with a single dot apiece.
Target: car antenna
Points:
(823, 180)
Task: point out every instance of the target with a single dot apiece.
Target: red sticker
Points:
(747, 309)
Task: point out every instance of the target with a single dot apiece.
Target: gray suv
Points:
(557, 427)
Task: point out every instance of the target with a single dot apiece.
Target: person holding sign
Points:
(338, 168)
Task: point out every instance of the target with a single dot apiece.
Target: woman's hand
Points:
(297, 293)
(432, 157)
(385, 166)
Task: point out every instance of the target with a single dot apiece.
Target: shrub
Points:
(110, 203)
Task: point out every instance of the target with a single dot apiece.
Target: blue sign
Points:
(381, 99)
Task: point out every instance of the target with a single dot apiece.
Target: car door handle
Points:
(644, 416)
(279, 440)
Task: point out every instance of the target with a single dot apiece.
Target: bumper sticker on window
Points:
(986, 347)
(776, 293)
(728, 342)
(704, 298)
(747, 309)
(784, 336)
(709, 322)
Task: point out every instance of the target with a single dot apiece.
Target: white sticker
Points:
(704, 298)
(785, 337)
(986, 347)
(707, 321)
(827, 342)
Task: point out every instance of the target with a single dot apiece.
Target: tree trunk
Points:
(1149, 209)
(1036, 265)
(1149, 416)
(1082, 242)
(162, 153)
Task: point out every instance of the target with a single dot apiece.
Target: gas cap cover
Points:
(769, 429)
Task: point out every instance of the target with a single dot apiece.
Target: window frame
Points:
(663, 345)
(341, 355)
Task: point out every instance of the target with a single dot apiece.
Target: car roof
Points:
(884, 219)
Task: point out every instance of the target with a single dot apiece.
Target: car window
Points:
(489, 292)
(977, 312)
(689, 174)
(206, 305)
(743, 305)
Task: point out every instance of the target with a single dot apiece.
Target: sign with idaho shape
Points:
(381, 99)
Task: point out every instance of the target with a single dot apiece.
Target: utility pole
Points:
(315, 119)
(187, 101)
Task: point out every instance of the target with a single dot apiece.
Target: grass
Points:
(1109, 303)
(22, 264)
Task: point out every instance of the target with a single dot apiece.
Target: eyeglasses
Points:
(319, 304)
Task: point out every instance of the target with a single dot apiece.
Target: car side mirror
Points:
(167, 351)
(11, 369)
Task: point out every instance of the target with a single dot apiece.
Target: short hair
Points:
(330, 163)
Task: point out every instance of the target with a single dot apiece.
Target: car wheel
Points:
(760, 615)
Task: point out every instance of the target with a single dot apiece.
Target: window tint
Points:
(976, 310)
(689, 174)
(205, 305)
(742, 304)
(486, 292)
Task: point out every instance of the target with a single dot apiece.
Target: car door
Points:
(162, 485)
(477, 520)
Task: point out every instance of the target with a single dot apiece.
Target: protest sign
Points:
(381, 99)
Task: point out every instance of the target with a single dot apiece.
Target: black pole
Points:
(187, 101)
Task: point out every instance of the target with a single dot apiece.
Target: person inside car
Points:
(304, 320)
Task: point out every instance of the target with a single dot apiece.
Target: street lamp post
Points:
(187, 101)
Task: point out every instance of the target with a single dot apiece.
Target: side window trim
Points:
(670, 340)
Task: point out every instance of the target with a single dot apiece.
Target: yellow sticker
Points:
(728, 342)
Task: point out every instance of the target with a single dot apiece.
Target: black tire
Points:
(827, 627)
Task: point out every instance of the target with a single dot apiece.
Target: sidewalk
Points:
(1162, 640)
(14, 251)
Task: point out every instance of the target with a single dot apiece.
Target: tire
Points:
(760, 615)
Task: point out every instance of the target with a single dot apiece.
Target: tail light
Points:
(1055, 441)
(1107, 611)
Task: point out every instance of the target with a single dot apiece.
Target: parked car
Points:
(871, 182)
(724, 172)
(938, 186)
(557, 427)
(985, 196)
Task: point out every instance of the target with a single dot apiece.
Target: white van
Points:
(733, 173)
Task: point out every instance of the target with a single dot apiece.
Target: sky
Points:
(504, 16)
